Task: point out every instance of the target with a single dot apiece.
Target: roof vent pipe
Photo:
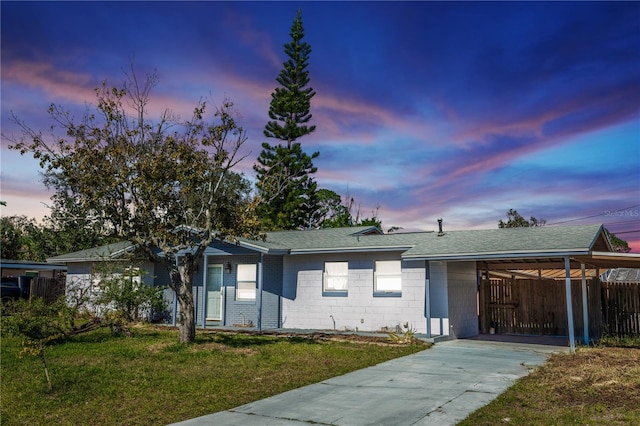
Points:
(440, 231)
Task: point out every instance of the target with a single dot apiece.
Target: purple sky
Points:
(453, 110)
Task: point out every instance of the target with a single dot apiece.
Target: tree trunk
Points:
(187, 318)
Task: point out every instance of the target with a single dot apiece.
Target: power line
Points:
(626, 232)
(622, 222)
(595, 215)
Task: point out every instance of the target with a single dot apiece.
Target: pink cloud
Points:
(56, 83)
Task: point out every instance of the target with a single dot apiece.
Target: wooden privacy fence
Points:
(537, 307)
(49, 289)
(621, 308)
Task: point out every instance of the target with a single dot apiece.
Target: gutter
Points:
(349, 250)
(498, 255)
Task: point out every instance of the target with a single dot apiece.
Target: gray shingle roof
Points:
(471, 244)
(109, 251)
(429, 245)
(508, 241)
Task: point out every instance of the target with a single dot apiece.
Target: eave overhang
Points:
(506, 255)
(329, 250)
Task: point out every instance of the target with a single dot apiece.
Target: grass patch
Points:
(595, 386)
(150, 379)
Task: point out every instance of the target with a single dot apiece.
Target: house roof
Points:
(507, 245)
(359, 238)
(106, 252)
(450, 245)
(27, 264)
(511, 242)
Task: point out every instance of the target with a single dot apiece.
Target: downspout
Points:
(259, 296)
(567, 272)
(585, 306)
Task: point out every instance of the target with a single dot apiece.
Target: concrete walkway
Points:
(438, 386)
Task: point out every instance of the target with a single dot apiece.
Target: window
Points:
(246, 282)
(388, 277)
(336, 277)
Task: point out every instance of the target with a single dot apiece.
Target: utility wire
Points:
(626, 232)
(591, 217)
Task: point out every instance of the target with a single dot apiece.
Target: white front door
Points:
(214, 292)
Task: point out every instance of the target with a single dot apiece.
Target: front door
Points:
(214, 292)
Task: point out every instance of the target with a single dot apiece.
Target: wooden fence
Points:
(49, 289)
(621, 308)
(537, 307)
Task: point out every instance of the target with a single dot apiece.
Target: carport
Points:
(571, 267)
(573, 253)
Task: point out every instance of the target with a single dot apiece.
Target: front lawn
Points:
(150, 379)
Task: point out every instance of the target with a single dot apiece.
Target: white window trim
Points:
(246, 279)
(335, 272)
(388, 272)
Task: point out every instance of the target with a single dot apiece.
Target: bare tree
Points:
(166, 185)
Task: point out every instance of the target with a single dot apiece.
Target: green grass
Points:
(150, 379)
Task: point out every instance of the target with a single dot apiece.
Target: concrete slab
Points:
(438, 386)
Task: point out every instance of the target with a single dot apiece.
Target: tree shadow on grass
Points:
(246, 340)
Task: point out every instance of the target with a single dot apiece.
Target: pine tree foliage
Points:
(287, 191)
(290, 103)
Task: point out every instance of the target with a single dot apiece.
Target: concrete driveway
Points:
(438, 386)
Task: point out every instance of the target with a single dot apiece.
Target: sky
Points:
(424, 110)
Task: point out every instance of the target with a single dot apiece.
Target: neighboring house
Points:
(625, 275)
(15, 268)
(85, 268)
(359, 279)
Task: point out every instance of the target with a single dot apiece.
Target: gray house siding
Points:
(304, 306)
(82, 275)
(239, 312)
(439, 298)
(462, 293)
(272, 291)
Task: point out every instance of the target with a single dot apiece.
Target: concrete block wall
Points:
(305, 307)
(462, 294)
(439, 298)
(238, 311)
(272, 291)
(241, 312)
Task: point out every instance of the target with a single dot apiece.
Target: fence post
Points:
(585, 307)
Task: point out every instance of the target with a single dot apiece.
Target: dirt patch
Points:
(320, 336)
(593, 386)
(605, 376)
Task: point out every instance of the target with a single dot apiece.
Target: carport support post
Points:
(567, 272)
(585, 306)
